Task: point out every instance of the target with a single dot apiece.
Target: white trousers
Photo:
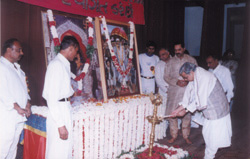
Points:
(148, 85)
(210, 152)
(56, 148)
(9, 136)
(217, 134)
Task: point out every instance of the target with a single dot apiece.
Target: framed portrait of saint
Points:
(120, 57)
(88, 88)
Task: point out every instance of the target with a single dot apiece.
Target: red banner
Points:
(119, 10)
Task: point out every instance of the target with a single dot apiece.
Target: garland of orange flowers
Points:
(114, 58)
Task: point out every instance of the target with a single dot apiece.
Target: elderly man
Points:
(57, 90)
(205, 93)
(223, 74)
(176, 90)
(159, 71)
(14, 98)
(147, 63)
(161, 83)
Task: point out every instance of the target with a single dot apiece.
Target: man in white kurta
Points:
(14, 99)
(147, 63)
(162, 87)
(159, 72)
(230, 62)
(223, 74)
(205, 93)
(57, 90)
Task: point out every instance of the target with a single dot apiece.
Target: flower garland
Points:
(159, 152)
(52, 25)
(115, 123)
(40, 110)
(114, 58)
(27, 83)
(90, 47)
(109, 125)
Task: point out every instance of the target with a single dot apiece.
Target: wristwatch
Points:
(186, 110)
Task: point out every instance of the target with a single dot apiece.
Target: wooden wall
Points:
(23, 22)
(164, 25)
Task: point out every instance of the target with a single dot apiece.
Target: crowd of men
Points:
(188, 89)
(184, 86)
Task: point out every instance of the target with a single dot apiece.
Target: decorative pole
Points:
(156, 100)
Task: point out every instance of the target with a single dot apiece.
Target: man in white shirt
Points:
(204, 93)
(159, 72)
(162, 85)
(14, 98)
(57, 90)
(223, 74)
(147, 63)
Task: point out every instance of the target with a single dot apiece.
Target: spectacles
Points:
(18, 50)
(151, 48)
(185, 78)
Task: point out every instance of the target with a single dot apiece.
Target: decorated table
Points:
(101, 129)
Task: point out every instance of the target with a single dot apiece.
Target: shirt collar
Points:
(184, 57)
(149, 55)
(216, 68)
(63, 59)
(7, 62)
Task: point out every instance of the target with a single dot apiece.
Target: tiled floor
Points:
(240, 141)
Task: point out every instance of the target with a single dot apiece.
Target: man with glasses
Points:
(14, 98)
(205, 93)
(148, 62)
(165, 56)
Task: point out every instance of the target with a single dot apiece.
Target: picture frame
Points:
(68, 24)
(114, 84)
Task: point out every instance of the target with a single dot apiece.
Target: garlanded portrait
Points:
(85, 69)
(120, 58)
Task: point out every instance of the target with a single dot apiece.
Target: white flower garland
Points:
(52, 28)
(90, 30)
(90, 33)
(40, 110)
(57, 43)
(131, 50)
(87, 63)
(121, 124)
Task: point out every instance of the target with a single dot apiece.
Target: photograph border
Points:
(47, 46)
(101, 57)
